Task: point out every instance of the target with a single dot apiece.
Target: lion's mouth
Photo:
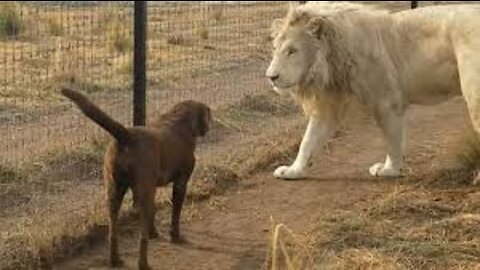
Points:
(283, 86)
(282, 90)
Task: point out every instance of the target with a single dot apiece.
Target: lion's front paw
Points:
(289, 172)
(379, 169)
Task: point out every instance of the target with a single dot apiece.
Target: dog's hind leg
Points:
(116, 189)
(153, 233)
(146, 203)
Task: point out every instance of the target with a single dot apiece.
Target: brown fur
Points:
(142, 158)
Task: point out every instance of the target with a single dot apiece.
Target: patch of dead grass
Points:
(361, 259)
(428, 222)
(11, 22)
(212, 180)
(287, 249)
(55, 26)
(413, 228)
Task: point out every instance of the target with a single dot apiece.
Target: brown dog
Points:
(143, 158)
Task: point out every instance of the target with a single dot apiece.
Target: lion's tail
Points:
(117, 130)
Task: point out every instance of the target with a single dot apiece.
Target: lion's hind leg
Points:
(468, 62)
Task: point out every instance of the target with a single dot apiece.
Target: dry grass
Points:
(121, 36)
(269, 103)
(126, 68)
(361, 259)
(213, 180)
(55, 25)
(42, 235)
(218, 14)
(412, 228)
(41, 240)
(11, 22)
(251, 107)
(288, 250)
(468, 150)
(175, 39)
(117, 28)
(9, 175)
(202, 30)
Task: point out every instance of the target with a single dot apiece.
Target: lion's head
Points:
(299, 54)
(310, 53)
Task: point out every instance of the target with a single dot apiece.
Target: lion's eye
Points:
(291, 51)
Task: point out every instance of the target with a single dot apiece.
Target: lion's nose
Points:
(273, 77)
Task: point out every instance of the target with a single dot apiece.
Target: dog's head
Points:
(195, 115)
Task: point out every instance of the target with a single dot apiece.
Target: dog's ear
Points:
(201, 121)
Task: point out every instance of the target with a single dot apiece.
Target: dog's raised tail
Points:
(117, 130)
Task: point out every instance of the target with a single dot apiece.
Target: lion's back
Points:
(457, 14)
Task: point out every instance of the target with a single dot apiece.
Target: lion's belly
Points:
(432, 71)
(434, 85)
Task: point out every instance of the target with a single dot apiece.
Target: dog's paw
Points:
(380, 170)
(289, 172)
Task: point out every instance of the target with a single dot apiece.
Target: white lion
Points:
(327, 53)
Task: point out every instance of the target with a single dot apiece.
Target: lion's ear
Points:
(275, 28)
(316, 26)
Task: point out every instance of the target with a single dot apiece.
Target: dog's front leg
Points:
(178, 196)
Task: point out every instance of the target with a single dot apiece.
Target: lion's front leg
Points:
(392, 125)
(316, 133)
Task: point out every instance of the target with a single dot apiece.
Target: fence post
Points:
(414, 4)
(139, 58)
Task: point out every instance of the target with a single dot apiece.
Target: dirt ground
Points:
(232, 231)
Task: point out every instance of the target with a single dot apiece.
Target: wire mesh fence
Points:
(43, 46)
(193, 48)
(50, 154)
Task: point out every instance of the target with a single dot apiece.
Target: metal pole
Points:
(414, 4)
(139, 58)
